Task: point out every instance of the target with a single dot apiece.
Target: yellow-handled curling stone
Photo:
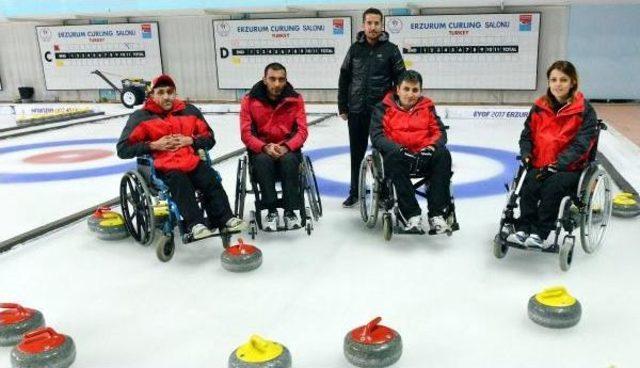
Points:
(260, 353)
(625, 205)
(554, 307)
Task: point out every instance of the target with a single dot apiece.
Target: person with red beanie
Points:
(172, 132)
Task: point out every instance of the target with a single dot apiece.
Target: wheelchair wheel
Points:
(253, 226)
(369, 191)
(137, 207)
(241, 186)
(226, 239)
(500, 247)
(566, 252)
(165, 247)
(597, 213)
(311, 189)
(387, 226)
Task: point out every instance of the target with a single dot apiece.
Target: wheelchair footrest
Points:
(552, 249)
(402, 230)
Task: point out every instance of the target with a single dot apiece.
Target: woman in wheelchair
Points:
(407, 131)
(273, 126)
(558, 138)
(172, 132)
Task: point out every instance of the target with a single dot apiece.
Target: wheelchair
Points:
(587, 209)
(150, 214)
(310, 202)
(377, 192)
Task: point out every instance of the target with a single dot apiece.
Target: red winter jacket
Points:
(152, 123)
(565, 138)
(393, 128)
(261, 123)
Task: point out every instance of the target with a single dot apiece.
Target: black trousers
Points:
(359, 124)
(267, 170)
(183, 186)
(437, 170)
(540, 201)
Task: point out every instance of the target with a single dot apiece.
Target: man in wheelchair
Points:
(273, 125)
(556, 144)
(172, 132)
(411, 137)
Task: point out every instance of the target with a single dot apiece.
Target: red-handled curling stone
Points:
(15, 321)
(44, 347)
(372, 345)
(241, 257)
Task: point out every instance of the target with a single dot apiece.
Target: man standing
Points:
(370, 69)
(273, 126)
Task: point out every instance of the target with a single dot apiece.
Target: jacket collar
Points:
(151, 106)
(361, 38)
(576, 105)
(391, 100)
(259, 91)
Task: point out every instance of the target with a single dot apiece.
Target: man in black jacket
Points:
(370, 69)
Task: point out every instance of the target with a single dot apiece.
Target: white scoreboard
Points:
(70, 53)
(312, 50)
(482, 51)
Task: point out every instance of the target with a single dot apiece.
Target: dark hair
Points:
(410, 76)
(275, 67)
(372, 11)
(567, 68)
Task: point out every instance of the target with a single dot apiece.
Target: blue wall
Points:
(604, 44)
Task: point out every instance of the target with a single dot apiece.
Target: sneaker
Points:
(438, 224)
(199, 231)
(517, 238)
(291, 220)
(350, 201)
(271, 222)
(414, 224)
(535, 241)
(234, 224)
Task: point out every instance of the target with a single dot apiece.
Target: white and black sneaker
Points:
(271, 222)
(535, 241)
(438, 224)
(234, 224)
(414, 225)
(199, 231)
(518, 237)
(291, 220)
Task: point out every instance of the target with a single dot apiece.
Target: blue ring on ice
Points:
(487, 187)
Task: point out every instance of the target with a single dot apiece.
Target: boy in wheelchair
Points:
(407, 131)
(273, 127)
(172, 132)
(556, 144)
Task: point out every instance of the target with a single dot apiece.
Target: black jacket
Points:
(367, 73)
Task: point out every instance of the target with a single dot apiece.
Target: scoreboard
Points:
(312, 50)
(483, 51)
(70, 53)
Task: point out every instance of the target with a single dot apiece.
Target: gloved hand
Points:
(424, 157)
(546, 172)
(410, 158)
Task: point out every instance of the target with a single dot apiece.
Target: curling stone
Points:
(260, 353)
(111, 227)
(161, 212)
(372, 345)
(96, 217)
(44, 347)
(15, 321)
(625, 205)
(241, 257)
(555, 308)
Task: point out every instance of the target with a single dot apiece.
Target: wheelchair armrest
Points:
(145, 160)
